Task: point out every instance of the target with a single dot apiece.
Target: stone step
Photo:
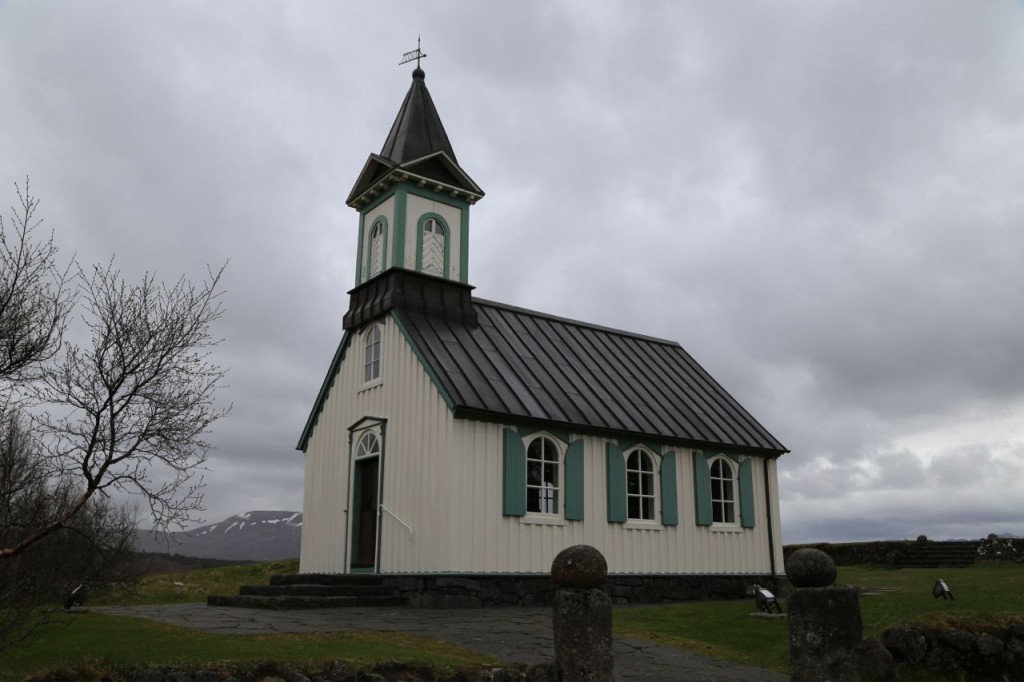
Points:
(326, 579)
(299, 590)
(301, 602)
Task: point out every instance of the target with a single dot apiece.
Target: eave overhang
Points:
(380, 174)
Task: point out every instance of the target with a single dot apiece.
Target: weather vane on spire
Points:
(416, 54)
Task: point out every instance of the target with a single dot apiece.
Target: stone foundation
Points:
(479, 590)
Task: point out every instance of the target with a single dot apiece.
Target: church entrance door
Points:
(365, 499)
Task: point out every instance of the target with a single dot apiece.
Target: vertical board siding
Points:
(444, 477)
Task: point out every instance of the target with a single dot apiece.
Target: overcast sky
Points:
(822, 201)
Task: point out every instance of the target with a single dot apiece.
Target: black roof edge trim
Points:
(501, 418)
(321, 396)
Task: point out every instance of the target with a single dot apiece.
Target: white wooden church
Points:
(455, 435)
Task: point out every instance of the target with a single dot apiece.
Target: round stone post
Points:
(582, 616)
(825, 626)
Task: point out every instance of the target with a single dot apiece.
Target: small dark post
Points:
(825, 631)
(582, 616)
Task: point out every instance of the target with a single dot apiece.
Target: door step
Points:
(313, 591)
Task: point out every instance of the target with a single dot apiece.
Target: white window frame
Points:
(638, 493)
(551, 456)
(372, 352)
(725, 495)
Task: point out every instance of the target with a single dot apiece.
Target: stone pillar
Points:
(825, 631)
(582, 616)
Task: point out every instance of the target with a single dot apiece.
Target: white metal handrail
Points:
(397, 518)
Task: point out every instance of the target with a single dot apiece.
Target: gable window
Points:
(640, 502)
(377, 248)
(542, 476)
(433, 247)
(371, 357)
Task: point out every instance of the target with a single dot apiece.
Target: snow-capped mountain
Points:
(252, 536)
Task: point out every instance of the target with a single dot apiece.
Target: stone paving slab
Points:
(518, 635)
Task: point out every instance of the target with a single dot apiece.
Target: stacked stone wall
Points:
(472, 591)
(854, 553)
(968, 652)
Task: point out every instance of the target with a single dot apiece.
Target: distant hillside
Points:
(253, 536)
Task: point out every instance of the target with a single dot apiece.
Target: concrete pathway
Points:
(510, 635)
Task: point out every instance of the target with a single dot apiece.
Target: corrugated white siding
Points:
(488, 541)
(414, 465)
(444, 478)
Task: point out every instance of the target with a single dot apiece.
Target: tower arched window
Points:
(377, 248)
(371, 356)
(433, 247)
(640, 495)
(723, 491)
(543, 477)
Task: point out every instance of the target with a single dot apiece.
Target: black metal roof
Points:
(518, 365)
(417, 149)
(417, 130)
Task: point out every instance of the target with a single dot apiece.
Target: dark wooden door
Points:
(364, 545)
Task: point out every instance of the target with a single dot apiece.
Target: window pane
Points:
(533, 499)
(648, 508)
(633, 483)
(533, 476)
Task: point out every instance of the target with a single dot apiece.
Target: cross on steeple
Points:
(416, 54)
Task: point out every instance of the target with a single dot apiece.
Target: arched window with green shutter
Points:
(513, 498)
(615, 478)
(747, 509)
(701, 489)
(574, 481)
(669, 504)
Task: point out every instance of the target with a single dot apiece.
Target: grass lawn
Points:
(982, 591)
(94, 641)
(719, 628)
(194, 586)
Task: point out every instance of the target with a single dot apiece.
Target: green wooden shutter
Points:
(513, 499)
(615, 474)
(574, 481)
(747, 511)
(702, 488)
(669, 505)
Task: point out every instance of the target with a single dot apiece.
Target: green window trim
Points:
(669, 503)
(702, 489)
(574, 481)
(513, 498)
(615, 477)
(748, 512)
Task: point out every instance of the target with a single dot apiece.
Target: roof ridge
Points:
(577, 323)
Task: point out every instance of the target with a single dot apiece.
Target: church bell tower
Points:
(413, 198)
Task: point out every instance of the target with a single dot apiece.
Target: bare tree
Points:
(35, 293)
(94, 548)
(125, 414)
